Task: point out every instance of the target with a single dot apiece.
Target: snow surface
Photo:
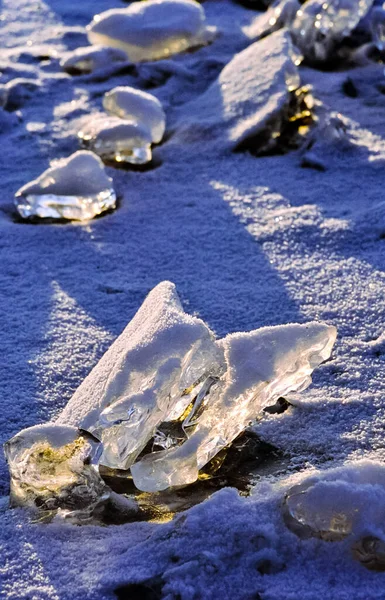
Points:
(249, 242)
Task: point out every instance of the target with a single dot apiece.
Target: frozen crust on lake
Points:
(152, 30)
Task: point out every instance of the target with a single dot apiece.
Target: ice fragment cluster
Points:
(136, 121)
(167, 382)
(74, 188)
(153, 29)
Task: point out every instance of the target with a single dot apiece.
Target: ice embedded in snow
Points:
(144, 378)
(153, 29)
(73, 188)
(261, 366)
(250, 103)
(91, 58)
(53, 468)
(167, 371)
(135, 105)
(377, 26)
(115, 139)
(281, 13)
(320, 26)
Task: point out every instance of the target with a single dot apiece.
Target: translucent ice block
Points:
(135, 105)
(53, 467)
(74, 188)
(336, 503)
(115, 139)
(261, 366)
(320, 25)
(144, 377)
(153, 29)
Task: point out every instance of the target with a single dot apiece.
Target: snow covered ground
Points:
(248, 242)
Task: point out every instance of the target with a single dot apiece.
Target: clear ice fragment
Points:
(89, 59)
(73, 188)
(115, 139)
(143, 377)
(281, 13)
(135, 105)
(377, 26)
(54, 468)
(261, 366)
(153, 29)
(334, 504)
(321, 25)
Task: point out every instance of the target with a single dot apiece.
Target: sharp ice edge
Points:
(163, 361)
(319, 26)
(115, 139)
(152, 30)
(73, 188)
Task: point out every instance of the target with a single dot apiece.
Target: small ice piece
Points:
(144, 377)
(280, 14)
(321, 25)
(54, 468)
(370, 552)
(17, 92)
(89, 59)
(135, 105)
(153, 29)
(74, 188)
(261, 366)
(115, 139)
(251, 100)
(336, 503)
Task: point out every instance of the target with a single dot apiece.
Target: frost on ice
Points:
(74, 188)
(132, 104)
(89, 59)
(115, 139)
(166, 382)
(256, 102)
(319, 26)
(342, 502)
(152, 30)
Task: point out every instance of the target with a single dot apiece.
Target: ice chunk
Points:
(153, 29)
(17, 92)
(280, 14)
(135, 105)
(115, 139)
(370, 551)
(75, 188)
(261, 366)
(334, 504)
(89, 59)
(52, 468)
(252, 99)
(377, 26)
(144, 377)
(321, 25)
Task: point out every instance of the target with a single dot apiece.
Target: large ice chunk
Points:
(132, 104)
(251, 100)
(144, 377)
(261, 366)
(91, 58)
(75, 188)
(321, 25)
(153, 29)
(52, 468)
(115, 139)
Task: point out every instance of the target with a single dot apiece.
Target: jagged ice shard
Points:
(261, 366)
(73, 188)
(321, 25)
(153, 29)
(165, 380)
